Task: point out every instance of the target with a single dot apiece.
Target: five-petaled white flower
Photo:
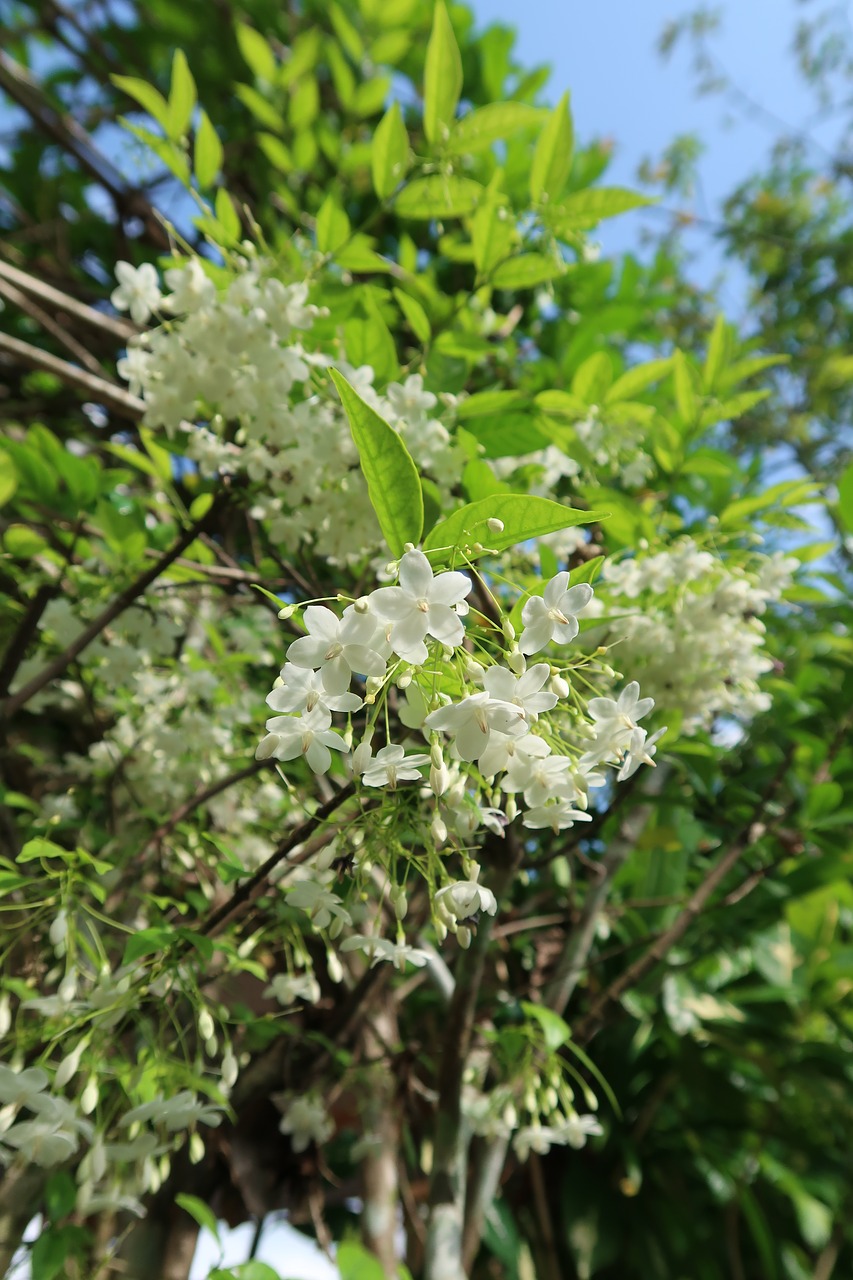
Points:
(302, 690)
(465, 898)
(523, 690)
(551, 616)
(422, 605)
(391, 765)
(558, 815)
(378, 949)
(640, 751)
(321, 904)
(473, 719)
(338, 647)
(138, 290)
(307, 735)
(623, 711)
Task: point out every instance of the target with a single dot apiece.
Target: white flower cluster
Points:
(504, 738)
(692, 628)
(231, 372)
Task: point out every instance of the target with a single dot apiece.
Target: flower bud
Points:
(361, 605)
(336, 927)
(5, 1015)
(404, 680)
(510, 809)
(560, 686)
(440, 930)
(463, 936)
(399, 902)
(89, 1096)
(474, 672)
(211, 1046)
(361, 757)
(67, 1068)
(196, 1152)
(334, 967)
(438, 828)
(206, 1026)
(439, 780)
(58, 931)
(374, 684)
(67, 988)
(516, 662)
(495, 525)
(508, 630)
(229, 1069)
(99, 1161)
(287, 612)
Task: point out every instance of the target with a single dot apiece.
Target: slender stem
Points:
(17, 648)
(47, 293)
(20, 300)
(118, 606)
(95, 387)
(201, 797)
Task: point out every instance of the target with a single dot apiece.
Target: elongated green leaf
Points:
(845, 498)
(256, 51)
(552, 158)
(207, 154)
(199, 1212)
(417, 318)
(554, 1029)
(182, 96)
(263, 111)
(276, 152)
(442, 76)
(8, 478)
(522, 516)
(149, 98)
(526, 271)
(438, 196)
(492, 123)
(637, 380)
(584, 209)
(389, 153)
(685, 395)
(492, 233)
(333, 226)
(392, 477)
(717, 352)
(227, 215)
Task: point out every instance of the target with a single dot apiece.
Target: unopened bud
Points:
(361, 605)
(5, 1015)
(463, 936)
(211, 1046)
(510, 809)
(399, 902)
(516, 662)
(335, 927)
(374, 684)
(334, 967)
(438, 829)
(404, 680)
(58, 931)
(436, 755)
(361, 757)
(287, 612)
(560, 686)
(474, 672)
(495, 525)
(206, 1026)
(508, 629)
(439, 780)
(68, 1066)
(230, 1069)
(89, 1096)
(196, 1149)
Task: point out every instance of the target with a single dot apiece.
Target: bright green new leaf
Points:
(636, 380)
(392, 477)
(845, 498)
(41, 848)
(417, 318)
(389, 153)
(304, 104)
(182, 96)
(442, 77)
(355, 1263)
(715, 361)
(492, 233)
(256, 51)
(584, 209)
(593, 378)
(685, 394)
(554, 1029)
(346, 33)
(149, 98)
(199, 1212)
(333, 226)
(523, 517)
(552, 158)
(207, 153)
(227, 215)
(263, 111)
(8, 478)
(276, 152)
(526, 270)
(438, 196)
(492, 123)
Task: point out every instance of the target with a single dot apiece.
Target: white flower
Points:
(552, 615)
(624, 711)
(640, 751)
(472, 721)
(138, 291)
(465, 898)
(303, 690)
(538, 1138)
(174, 1113)
(541, 777)
(391, 765)
(577, 1129)
(523, 690)
(20, 1087)
(558, 815)
(409, 401)
(41, 1142)
(305, 1119)
(379, 949)
(321, 905)
(503, 750)
(307, 735)
(422, 605)
(339, 647)
(191, 288)
(286, 988)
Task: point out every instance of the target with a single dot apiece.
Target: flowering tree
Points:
(424, 732)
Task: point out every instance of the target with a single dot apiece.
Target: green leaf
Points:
(438, 196)
(199, 1212)
(149, 98)
(49, 1254)
(492, 123)
(389, 153)
(256, 51)
(263, 111)
(276, 152)
(442, 77)
(522, 515)
(147, 942)
(182, 96)
(60, 1195)
(392, 477)
(8, 479)
(507, 435)
(369, 341)
(492, 233)
(305, 104)
(417, 318)
(171, 155)
(526, 270)
(845, 497)
(715, 360)
(593, 378)
(584, 209)
(552, 158)
(227, 215)
(333, 226)
(555, 1030)
(41, 848)
(487, 402)
(346, 33)
(685, 395)
(355, 1263)
(207, 152)
(636, 380)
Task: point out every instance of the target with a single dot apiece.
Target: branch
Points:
(17, 648)
(47, 322)
(96, 387)
(119, 604)
(199, 798)
(47, 293)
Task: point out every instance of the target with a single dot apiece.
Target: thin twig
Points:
(97, 388)
(199, 798)
(20, 300)
(116, 328)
